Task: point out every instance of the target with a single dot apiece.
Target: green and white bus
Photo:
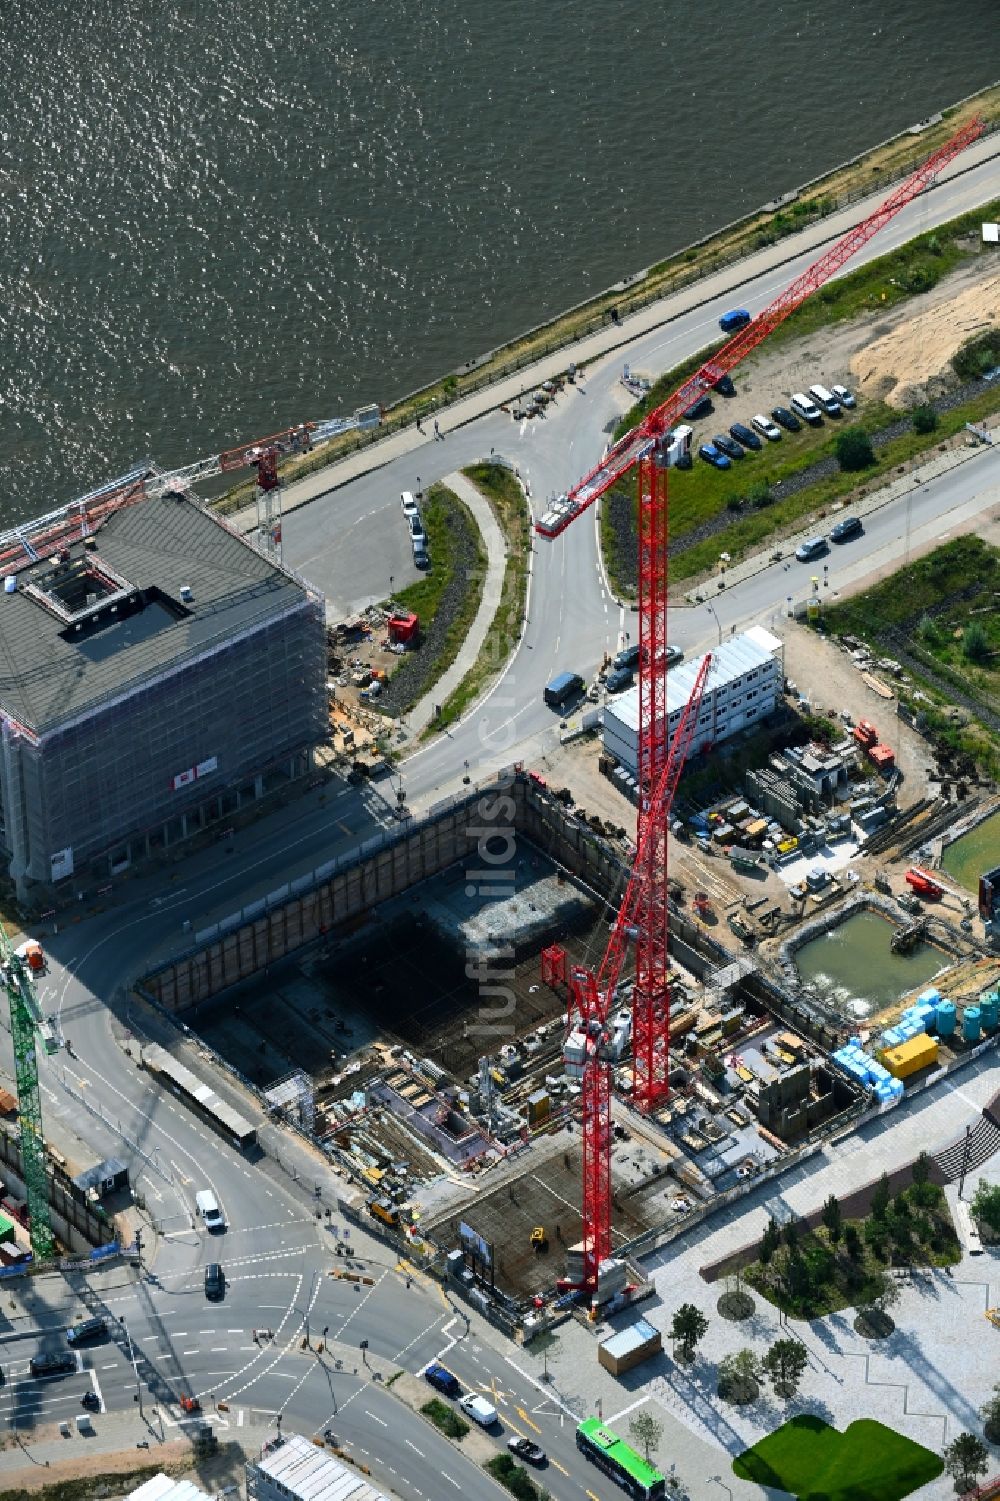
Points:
(612, 1455)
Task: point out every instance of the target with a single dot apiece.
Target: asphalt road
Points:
(275, 1253)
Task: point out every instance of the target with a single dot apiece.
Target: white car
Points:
(844, 396)
(408, 504)
(479, 1410)
(766, 427)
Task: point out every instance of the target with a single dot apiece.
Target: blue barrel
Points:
(971, 1024)
(989, 1006)
(931, 995)
(946, 1018)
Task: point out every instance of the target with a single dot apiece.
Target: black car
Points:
(440, 1377)
(215, 1280)
(700, 408)
(846, 529)
(786, 419)
(746, 437)
(525, 1449)
(58, 1363)
(724, 386)
(728, 446)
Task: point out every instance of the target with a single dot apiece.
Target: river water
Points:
(222, 216)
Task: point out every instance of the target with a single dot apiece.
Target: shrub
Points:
(986, 1205)
(854, 450)
(975, 643)
(925, 419)
(977, 355)
(760, 494)
(445, 1418)
(513, 1477)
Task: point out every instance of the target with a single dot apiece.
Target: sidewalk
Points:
(611, 339)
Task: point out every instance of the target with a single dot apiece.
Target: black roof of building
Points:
(54, 666)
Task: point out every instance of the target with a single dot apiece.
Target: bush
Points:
(977, 355)
(445, 1418)
(761, 494)
(925, 419)
(854, 450)
(986, 1205)
(975, 643)
(513, 1477)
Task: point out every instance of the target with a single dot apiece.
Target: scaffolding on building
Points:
(293, 1098)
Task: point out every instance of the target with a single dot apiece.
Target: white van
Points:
(408, 504)
(806, 409)
(208, 1208)
(825, 400)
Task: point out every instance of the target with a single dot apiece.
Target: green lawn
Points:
(816, 1463)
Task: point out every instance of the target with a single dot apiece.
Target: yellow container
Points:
(911, 1056)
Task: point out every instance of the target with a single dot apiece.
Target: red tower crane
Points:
(592, 996)
(647, 897)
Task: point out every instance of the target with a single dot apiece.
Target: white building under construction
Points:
(744, 686)
(157, 672)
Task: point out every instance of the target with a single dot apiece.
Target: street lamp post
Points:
(711, 609)
(135, 1364)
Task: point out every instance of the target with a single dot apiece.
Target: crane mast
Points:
(647, 446)
(24, 1017)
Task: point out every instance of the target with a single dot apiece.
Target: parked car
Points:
(442, 1379)
(563, 687)
(215, 1280)
(728, 446)
(421, 557)
(479, 1410)
(627, 657)
(787, 419)
(702, 407)
(619, 680)
(713, 456)
(52, 1363)
(812, 548)
(844, 396)
(417, 532)
(807, 409)
(746, 437)
(825, 400)
(524, 1449)
(766, 427)
(408, 504)
(846, 529)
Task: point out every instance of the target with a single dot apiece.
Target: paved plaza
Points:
(927, 1380)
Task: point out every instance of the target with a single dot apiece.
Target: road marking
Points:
(592, 1496)
(413, 1446)
(375, 1419)
(234, 1331)
(446, 1476)
(112, 1365)
(525, 1419)
(617, 1417)
(217, 1349)
(558, 1465)
(239, 1418)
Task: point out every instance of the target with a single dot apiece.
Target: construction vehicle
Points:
(923, 883)
(383, 1209)
(24, 1019)
(647, 447)
(538, 1239)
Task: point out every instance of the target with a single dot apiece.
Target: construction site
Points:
(525, 1048)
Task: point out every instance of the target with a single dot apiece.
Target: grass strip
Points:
(445, 1418)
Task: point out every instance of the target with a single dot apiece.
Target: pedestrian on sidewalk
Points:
(419, 428)
(437, 430)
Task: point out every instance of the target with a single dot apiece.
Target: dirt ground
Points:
(898, 353)
(898, 366)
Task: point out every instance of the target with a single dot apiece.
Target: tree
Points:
(687, 1328)
(832, 1218)
(881, 1196)
(975, 642)
(878, 1295)
(646, 1431)
(990, 1412)
(925, 419)
(986, 1205)
(852, 1242)
(784, 1363)
(854, 450)
(965, 1458)
(790, 1234)
(739, 1374)
(769, 1241)
(920, 1172)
